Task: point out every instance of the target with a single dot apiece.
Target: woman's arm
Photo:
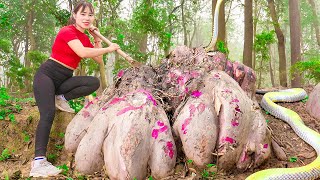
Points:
(85, 52)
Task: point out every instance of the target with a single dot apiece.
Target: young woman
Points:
(54, 85)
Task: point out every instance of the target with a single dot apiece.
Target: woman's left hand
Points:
(91, 31)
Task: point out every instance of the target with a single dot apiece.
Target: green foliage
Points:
(5, 154)
(262, 46)
(65, 169)
(52, 157)
(211, 165)
(305, 99)
(222, 47)
(59, 147)
(81, 177)
(262, 42)
(5, 21)
(189, 161)
(26, 136)
(311, 68)
(7, 106)
(5, 46)
(36, 58)
(17, 73)
(293, 159)
(4, 97)
(76, 104)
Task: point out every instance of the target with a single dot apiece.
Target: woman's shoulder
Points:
(67, 28)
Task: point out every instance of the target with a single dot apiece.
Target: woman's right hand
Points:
(113, 47)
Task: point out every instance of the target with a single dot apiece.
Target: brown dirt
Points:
(18, 166)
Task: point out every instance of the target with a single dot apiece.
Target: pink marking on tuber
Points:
(234, 101)
(186, 90)
(227, 91)
(230, 140)
(217, 76)
(201, 107)
(185, 124)
(129, 108)
(89, 103)
(85, 114)
(163, 129)
(182, 80)
(149, 96)
(160, 123)
(265, 146)
(155, 133)
(235, 122)
(195, 74)
(113, 101)
(196, 94)
(120, 73)
(237, 108)
(244, 157)
(192, 109)
(116, 100)
(170, 149)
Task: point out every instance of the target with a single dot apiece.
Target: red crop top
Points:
(61, 50)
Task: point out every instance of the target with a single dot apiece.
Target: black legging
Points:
(54, 79)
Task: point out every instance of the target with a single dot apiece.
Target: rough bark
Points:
(315, 21)
(281, 45)
(270, 67)
(222, 22)
(295, 39)
(184, 25)
(248, 34)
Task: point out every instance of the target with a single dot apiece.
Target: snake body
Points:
(310, 171)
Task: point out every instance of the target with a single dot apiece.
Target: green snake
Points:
(310, 171)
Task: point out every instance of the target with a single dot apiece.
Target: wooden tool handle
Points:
(119, 51)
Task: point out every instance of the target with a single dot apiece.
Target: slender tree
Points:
(295, 36)
(281, 44)
(221, 21)
(315, 20)
(248, 33)
(256, 15)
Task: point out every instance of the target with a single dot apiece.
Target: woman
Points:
(54, 85)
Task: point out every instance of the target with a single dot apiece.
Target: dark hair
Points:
(80, 6)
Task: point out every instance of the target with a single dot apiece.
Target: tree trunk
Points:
(167, 48)
(32, 42)
(295, 35)
(221, 21)
(184, 25)
(260, 75)
(103, 76)
(143, 44)
(281, 45)
(255, 21)
(315, 21)
(270, 67)
(248, 31)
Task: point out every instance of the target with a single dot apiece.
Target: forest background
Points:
(280, 40)
(269, 36)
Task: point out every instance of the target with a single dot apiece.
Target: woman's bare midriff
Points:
(51, 58)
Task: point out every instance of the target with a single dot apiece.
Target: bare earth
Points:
(14, 137)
